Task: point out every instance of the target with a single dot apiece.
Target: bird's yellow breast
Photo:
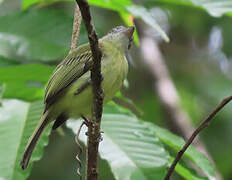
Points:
(114, 70)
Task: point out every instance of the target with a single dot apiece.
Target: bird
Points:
(68, 93)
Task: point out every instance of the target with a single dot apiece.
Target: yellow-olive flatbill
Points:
(68, 92)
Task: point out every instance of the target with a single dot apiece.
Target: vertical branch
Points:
(98, 95)
(76, 27)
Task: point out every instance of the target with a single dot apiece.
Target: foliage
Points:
(33, 35)
(213, 7)
(17, 122)
(133, 148)
(6, 62)
(176, 143)
(123, 132)
(132, 151)
(124, 7)
(29, 78)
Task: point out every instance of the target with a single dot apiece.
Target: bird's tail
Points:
(34, 139)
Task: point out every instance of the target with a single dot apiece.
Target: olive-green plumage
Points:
(68, 92)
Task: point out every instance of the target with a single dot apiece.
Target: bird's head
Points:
(120, 37)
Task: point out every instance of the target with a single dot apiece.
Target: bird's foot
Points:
(99, 139)
(91, 124)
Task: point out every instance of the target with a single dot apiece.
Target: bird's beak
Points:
(129, 32)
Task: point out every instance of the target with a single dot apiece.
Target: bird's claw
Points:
(99, 139)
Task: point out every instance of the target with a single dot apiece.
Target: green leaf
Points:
(116, 5)
(131, 149)
(2, 89)
(35, 35)
(123, 101)
(7, 62)
(215, 8)
(124, 7)
(144, 14)
(25, 81)
(128, 20)
(177, 143)
(17, 122)
(186, 173)
(28, 3)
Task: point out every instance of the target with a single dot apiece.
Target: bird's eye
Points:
(130, 42)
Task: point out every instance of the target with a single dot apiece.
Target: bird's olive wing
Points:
(69, 70)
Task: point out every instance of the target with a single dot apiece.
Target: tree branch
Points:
(76, 28)
(98, 95)
(204, 124)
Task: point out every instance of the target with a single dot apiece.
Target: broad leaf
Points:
(35, 35)
(213, 7)
(116, 5)
(28, 3)
(6, 62)
(17, 122)
(129, 145)
(187, 173)
(177, 143)
(144, 14)
(123, 137)
(124, 7)
(131, 149)
(25, 81)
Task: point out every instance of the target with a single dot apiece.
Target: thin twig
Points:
(75, 35)
(204, 124)
(79, 154)
(76, 27)
(98, 95)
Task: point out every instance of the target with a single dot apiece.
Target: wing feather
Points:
(70, 69)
